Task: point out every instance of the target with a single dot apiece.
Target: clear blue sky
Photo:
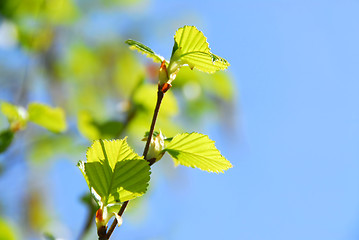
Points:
(295, 152)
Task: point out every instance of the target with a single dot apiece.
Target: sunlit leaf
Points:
(144, 50)
(52, 119)
(191, 47)
(115, 172)
(198, 151)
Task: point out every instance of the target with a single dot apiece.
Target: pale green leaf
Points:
(197, 150)
(191, 47)
(144, 50)
(16, 115)
(53, 119)
(115, 172)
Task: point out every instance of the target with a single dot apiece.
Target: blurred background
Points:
(285, 114)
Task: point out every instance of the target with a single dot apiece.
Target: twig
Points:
(160, 96)
(114, 223)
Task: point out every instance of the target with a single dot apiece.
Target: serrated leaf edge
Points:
(210, 141)
(213, 56)
(81, 166)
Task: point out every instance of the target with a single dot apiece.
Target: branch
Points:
(160, 96)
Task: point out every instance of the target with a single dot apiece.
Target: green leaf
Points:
(114, 173)
(191, 47)
(144, 50)
(197, 150)
(53, 119)
(16, 115)
(6, 138)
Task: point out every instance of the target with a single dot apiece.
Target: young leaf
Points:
(144, 50)
(197, 150)
(53, 119)
(191, 47)
(115, 172)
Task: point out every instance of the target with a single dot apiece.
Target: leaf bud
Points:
(163, 76)
(156, 147)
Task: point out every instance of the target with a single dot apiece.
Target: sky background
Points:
(295, 143)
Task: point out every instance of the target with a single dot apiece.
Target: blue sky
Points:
(295, 145)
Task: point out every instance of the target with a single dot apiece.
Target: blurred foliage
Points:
(7, 232)
(102, 87)
(52, 119)
(6, 137)
(93, 129)
(36, 213)
(51, 147)
(17, 116)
